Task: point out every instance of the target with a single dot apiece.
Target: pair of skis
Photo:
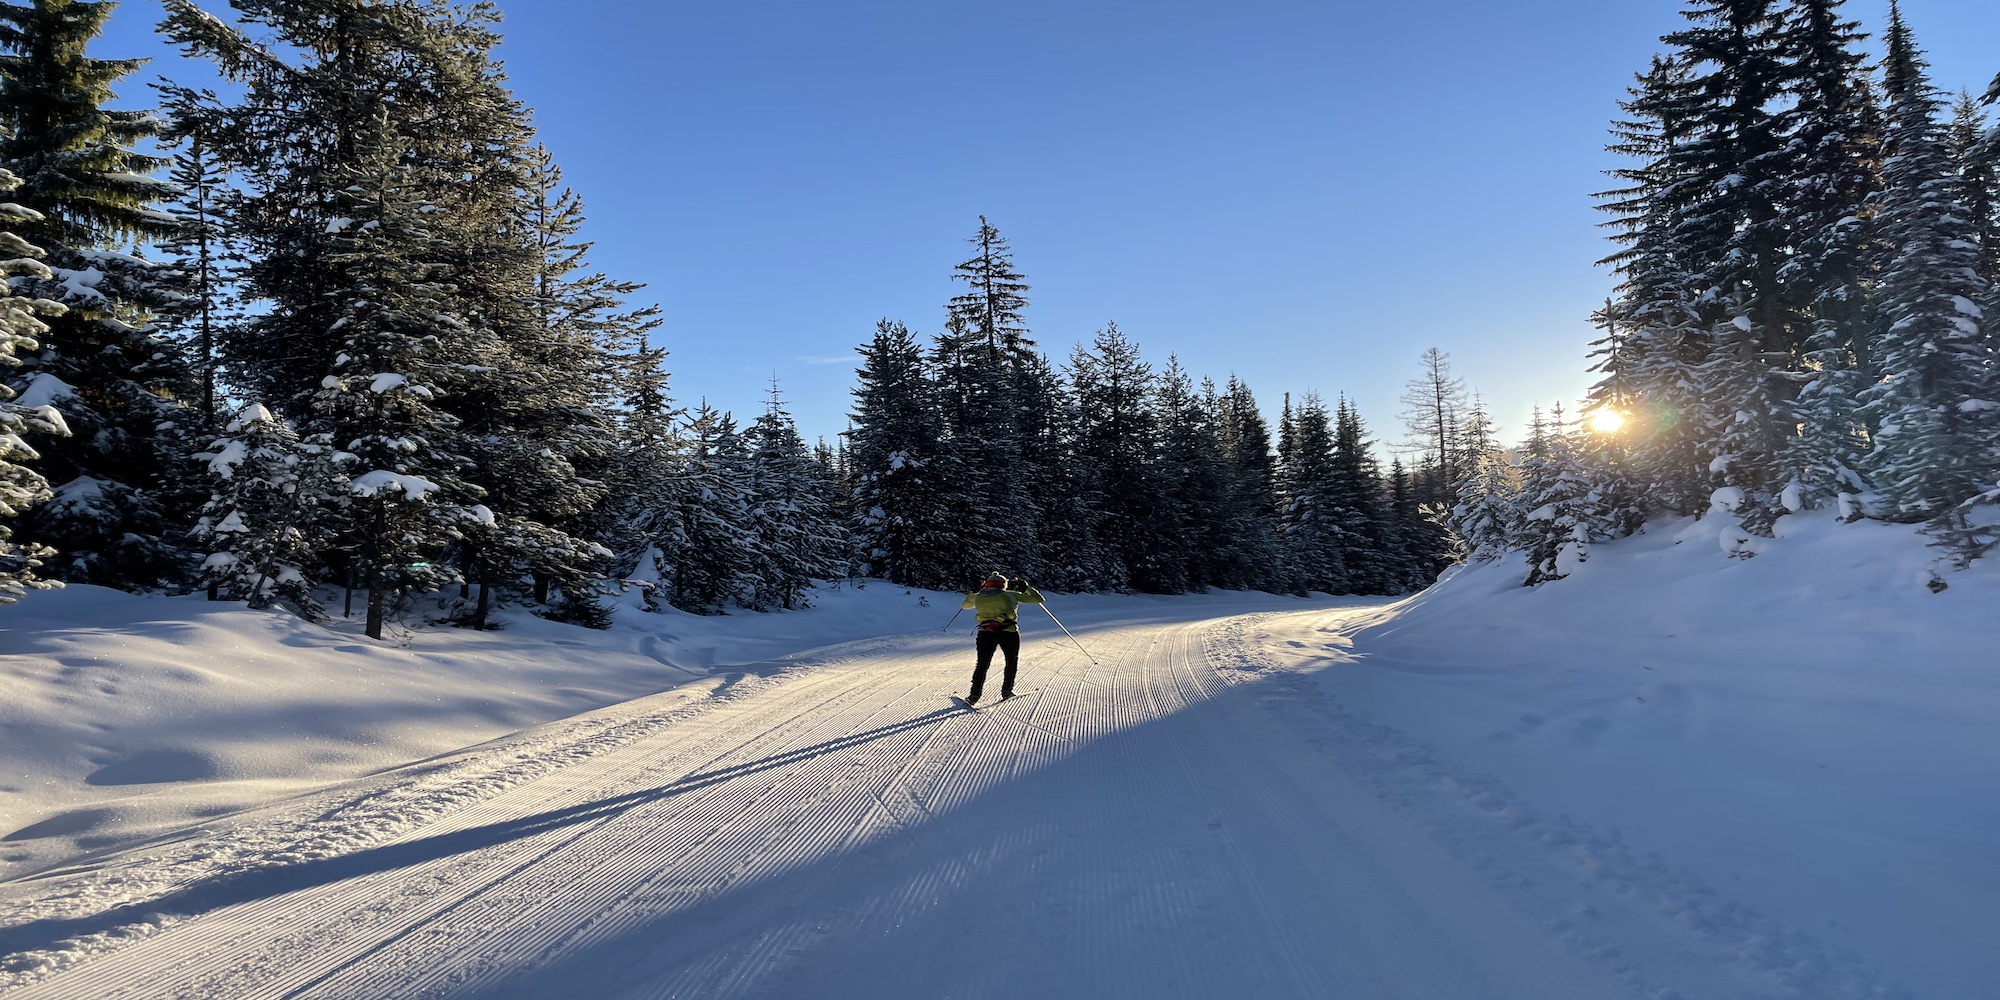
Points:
(970, 707)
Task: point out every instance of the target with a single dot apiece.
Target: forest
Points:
(334, 336)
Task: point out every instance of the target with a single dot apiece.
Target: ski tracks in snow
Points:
(1171, 821)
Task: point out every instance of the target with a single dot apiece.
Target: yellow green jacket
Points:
(1003, 606)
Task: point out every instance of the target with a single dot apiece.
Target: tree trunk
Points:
(375, 605)
(485, 602)
(541, 589)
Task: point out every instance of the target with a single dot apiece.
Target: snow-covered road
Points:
(1173, 820)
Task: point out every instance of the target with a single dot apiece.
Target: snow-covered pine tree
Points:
(1117, 438)
(378, 402)
(21, 487)
(1659, 291)
(1311, 524)
(1748, 431)
(1936, 405)
(1562, 506)
(799, 537)
(101, 363)
(1367, 539)
(1488, 518)
(1738, 156)
(1252, 499)
(269, 492)
(1070, 505)
(904, 528)
(1834, 174)
(1194, 507)
(716, 568)
(536, 415)
(315, 86)
(973, 385)
(642, 521)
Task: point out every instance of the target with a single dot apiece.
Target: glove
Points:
(1018, 583)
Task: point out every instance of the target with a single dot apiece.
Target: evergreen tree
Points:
(1311, 527)
(716, 567)
(1660, 290)
(378, 400)
(904, 528)
(1935, 405)
(798, 536)
(1488, 519)
(1117, 438)
(21, 487)
(973, 385)
(1413, 538)
(1251, 509)
(995, 298)
(1562, 507)
(113, 377)
(254, 530)
(1366, 535)
(1194, 509)
(1836, 143)
(203, 250)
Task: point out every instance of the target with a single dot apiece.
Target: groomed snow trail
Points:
(1146, 826)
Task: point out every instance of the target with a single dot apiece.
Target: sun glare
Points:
(1607, 421)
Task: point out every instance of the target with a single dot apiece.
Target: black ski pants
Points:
(1007, 642)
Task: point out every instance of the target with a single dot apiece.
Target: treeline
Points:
(350, 339)
(1809, 252)
(971, 450)
(344, 340)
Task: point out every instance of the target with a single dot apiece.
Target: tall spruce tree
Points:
(1367, 538)
(995, 299)
(116, 381)
(1936, 404)
(798, 537)
(905, 524)
(1836, 173)
(378, 399)
(1660, 289)
(1117, 437)
(1312, 526)
(1195, 506)
(1250, 467)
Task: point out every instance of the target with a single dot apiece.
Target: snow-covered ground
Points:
(1676, 774)
(1809, 734)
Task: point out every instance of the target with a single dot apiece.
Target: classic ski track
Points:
(773, 834)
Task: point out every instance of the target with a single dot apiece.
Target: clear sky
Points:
(1307, 193)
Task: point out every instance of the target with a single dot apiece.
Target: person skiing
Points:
(997, 605)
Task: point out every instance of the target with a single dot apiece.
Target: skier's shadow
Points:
(261, 883)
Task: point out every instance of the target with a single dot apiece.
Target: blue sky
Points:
(1307, 194)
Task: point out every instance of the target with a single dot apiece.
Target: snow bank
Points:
(1809, 732)
(124, 716)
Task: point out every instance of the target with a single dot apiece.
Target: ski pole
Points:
(1072, 635)
(954, 620)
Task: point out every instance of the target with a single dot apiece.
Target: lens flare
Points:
(1607, 421)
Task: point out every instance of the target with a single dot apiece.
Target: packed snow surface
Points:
(1675, 774)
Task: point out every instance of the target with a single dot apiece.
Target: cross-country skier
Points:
(997, 605)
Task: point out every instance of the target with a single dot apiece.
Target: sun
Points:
(1607, 421)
